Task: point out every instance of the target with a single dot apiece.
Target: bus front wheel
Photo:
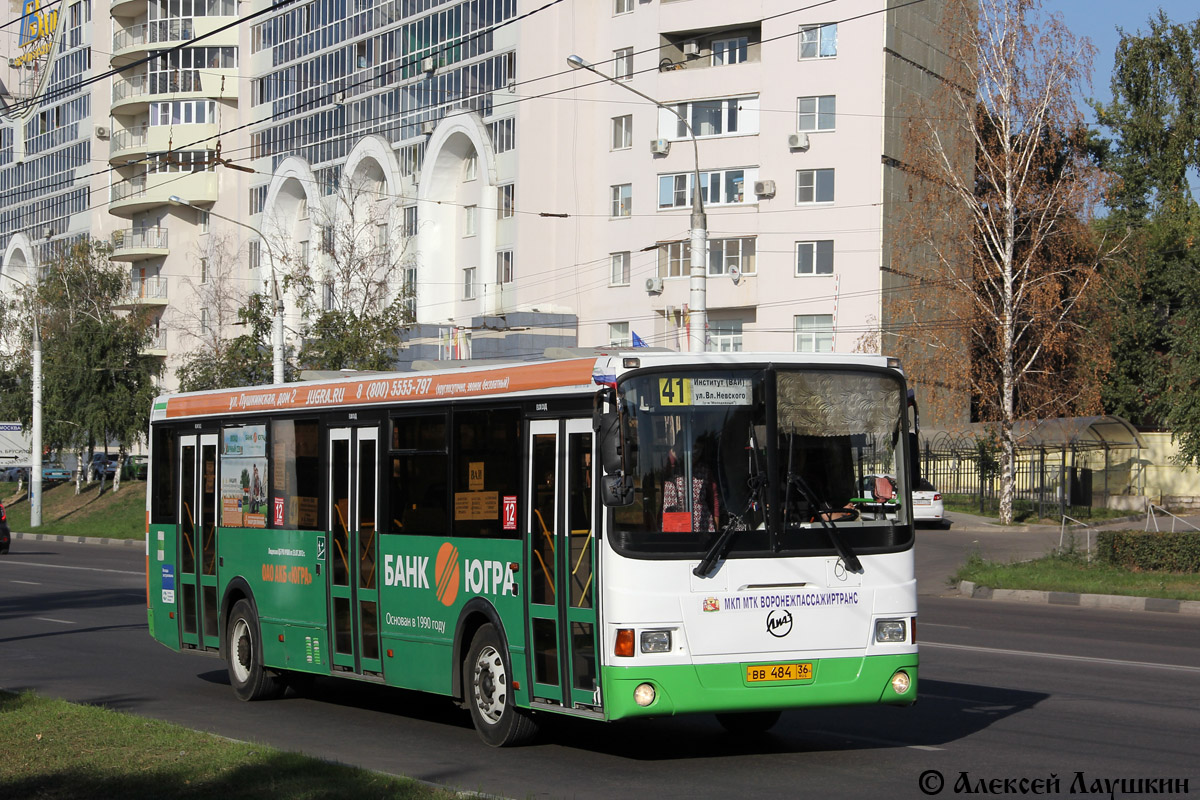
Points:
(250, 680)
(487, 677)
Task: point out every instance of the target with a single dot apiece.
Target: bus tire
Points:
(749, 722)
(243, 652)
(486, 689)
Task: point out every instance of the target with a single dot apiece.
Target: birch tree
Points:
(1001, 264)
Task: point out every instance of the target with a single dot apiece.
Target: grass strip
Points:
(117, 515)
(1071, 572)
(1026, 512)
(56, 750)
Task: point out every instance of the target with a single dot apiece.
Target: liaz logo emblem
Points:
(779, 623)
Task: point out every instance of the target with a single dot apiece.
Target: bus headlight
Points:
(655, 642)
(891, 631)
(644, 694)
(901, 682)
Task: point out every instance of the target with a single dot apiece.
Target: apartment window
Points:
(718, 188)
(622, 200)
(204, 269)
(381, 236)
(622, 132)
(469, 283)
(471, 167)
(723, 116)
(619, 274)
(816, 113)
(814, 258)
(302, 208)
(724, 335)
(328, 295)
(814, 333)
(304, 252)
(729, 51)
(204, 320)
(675, 258)
(505, 208)
(814, 186)
(469, 220)
(203, 220)
(410, 221)
(255, 255)
(818, 41)
(623, 63)
(618, 334)
(410, 292)
(622, 7)
(504, 266)
(728, 255)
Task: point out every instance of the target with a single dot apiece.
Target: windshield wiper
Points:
(737, 522)
(824, 516)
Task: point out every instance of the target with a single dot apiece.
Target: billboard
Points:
(14, 445)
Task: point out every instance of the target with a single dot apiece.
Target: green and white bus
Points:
(624, 534)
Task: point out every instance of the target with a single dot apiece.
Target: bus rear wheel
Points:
(488, 692)
(749, 722)
(243, 653)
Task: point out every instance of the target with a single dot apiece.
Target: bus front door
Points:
(561, 557)
(353, 550)
(197, 546)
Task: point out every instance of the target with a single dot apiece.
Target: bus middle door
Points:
(197, 545)
(561, 559)
(353, 549)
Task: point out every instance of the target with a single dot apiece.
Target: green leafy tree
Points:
(97, 385)
(1154, 305)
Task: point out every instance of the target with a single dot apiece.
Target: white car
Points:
(927, 504)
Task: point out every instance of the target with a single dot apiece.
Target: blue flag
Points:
(638, 341)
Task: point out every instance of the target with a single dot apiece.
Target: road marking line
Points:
(1060, 657)
(873, 740)
(52, 619)
(27, 583)
(64, 566)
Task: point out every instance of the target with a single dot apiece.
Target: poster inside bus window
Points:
(244, 476)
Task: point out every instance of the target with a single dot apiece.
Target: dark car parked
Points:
(5, 535)
(103, 464)
(135, 468)
(15, 474)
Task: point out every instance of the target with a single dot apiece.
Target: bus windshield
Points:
(778, 459)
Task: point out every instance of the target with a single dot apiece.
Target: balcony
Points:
(137, 244)
(127, 8)
(127, 143)
(144, 292)
(157, 346)
(143, 192)
(132, 95)
(131, 43)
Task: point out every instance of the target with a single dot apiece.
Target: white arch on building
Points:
(287, 220)
(441, 196)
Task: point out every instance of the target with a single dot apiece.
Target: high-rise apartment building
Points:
(520, 204)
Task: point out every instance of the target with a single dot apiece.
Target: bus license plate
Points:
(779, 672)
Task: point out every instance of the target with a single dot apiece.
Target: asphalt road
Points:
(1007, 692)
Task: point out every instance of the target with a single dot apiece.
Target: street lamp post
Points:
(277, 319)
(697, 302)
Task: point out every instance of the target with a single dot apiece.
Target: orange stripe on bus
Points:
(394, 388)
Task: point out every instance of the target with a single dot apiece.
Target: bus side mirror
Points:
(616, 487)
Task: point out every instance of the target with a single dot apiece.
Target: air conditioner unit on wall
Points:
(764, 188)
(798, 141)
(660, 147)
(654, 285)
(691, 48)
(427, 126)
(427, 64)
(101, 132)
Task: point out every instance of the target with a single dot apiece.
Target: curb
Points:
(1115, 602)
(50, 537)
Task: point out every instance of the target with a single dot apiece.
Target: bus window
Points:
(418, 492)
(295, 475)
(164, 474)
(487, 468)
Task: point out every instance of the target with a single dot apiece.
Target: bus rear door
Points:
(561, 556)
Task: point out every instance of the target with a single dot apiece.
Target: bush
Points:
(1165, 552)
